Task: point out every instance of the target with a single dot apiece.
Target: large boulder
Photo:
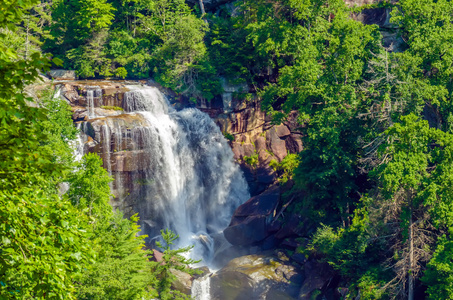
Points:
(276, 144)
(62, 74)
(182, 282)
(256, 277)
(250, 221)
(318, 277)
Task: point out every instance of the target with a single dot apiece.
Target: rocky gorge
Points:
(260, 260)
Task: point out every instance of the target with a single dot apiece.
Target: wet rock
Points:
(79, 113)
(114, 124)
(105, 93)
(231, 285)
(246, 230)
(299, 258)
(269, 243)
(202, 271)
(250, 221)
(183, 281)
(290, 243)
(256, 277)
(263, 204)
(224, 256)
(128, 161)
(274, 226)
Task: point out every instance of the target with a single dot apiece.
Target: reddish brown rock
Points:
(127, 161)
(249, 149)
(276, 145)
(282, 131)
(294, 143)
(157, 255)
(260, 144)
(238, 150)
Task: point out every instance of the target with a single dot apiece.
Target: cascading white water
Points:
(201, 288)
(92, 92)
(180, 173)
(79, 143)
(90, 100)
(192, 185)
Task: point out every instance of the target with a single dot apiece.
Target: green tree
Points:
(171, 259)
(428, 29)
(414, 192)
(79, 32)
(122, 269)
(324, 61)
(439, 274)
(89, 188)
(43, 242)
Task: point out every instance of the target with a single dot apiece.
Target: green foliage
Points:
(172, 259)
(426, 25)
(354, 254)
(439, 274)
(309, 56)
(251, 160)
(228, 136)
(371, 285)
(286, 167)
(89, 188)
(117, 108)
(58, 126)
(43, 242)
(122, 269)
(412, 149)
(347, 250)
(43, 245)
(121, 72)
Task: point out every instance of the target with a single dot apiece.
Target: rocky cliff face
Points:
(98, 105)
(256, 143)
(97, 110)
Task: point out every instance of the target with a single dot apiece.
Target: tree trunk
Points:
(26, 38)
(203, 12)
(410, 292)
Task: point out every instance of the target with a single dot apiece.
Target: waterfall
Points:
(192, 185)
(90, 100)
(174, 168)
(201, 288)
(79, 143)
(92, 92)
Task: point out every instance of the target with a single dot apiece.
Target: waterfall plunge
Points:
(192, 185)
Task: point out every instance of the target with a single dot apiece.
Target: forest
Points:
(377, 123)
